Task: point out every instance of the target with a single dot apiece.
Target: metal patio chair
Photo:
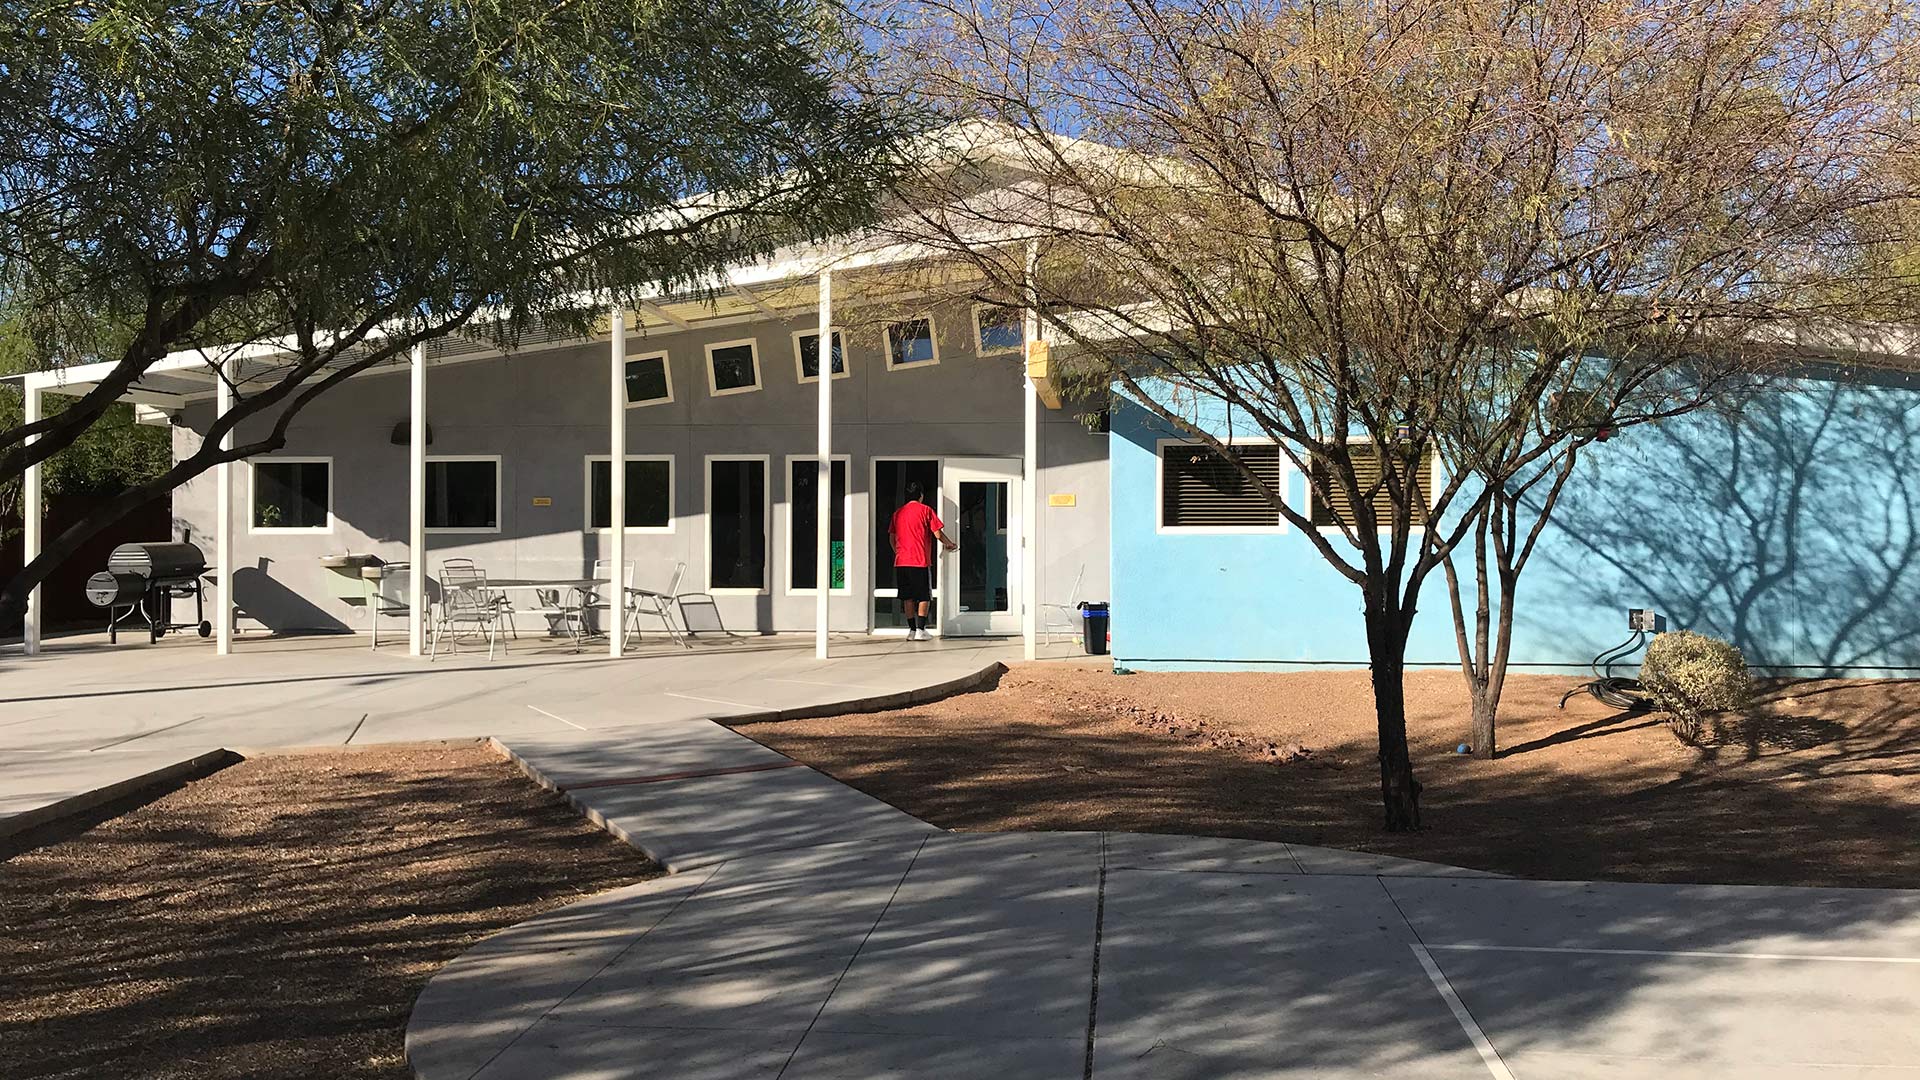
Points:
(645, 603)
(465, 602)
(1069, 611)
(388, 597)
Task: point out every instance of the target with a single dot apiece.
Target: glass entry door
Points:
(890, 478)
(980, 583)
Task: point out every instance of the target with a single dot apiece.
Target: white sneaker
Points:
(916, 635)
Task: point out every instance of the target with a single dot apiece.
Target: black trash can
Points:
(1094, 620)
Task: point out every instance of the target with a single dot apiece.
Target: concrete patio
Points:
(84, 715)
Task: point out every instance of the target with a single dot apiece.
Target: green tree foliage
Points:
(345, 179)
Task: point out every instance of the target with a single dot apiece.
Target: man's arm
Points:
(941, 535)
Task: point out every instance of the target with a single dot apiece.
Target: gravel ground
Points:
(278, 918)
(1820, 786)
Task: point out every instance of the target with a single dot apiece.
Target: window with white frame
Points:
(910, 343)
(806, 355)
(803, 524)
(1203, 490)
(733, 367)
(649, 380)
(649, 493)
(1328, 497)
(463, 494)
(291, 495)
(999, 328)
(737, 524)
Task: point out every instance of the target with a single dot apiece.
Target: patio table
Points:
(587, 589)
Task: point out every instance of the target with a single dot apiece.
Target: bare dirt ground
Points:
(278, 918)
(1819, 786)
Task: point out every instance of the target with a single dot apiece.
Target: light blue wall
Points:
(1791, 528)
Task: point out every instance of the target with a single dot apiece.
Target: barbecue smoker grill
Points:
(147, 578)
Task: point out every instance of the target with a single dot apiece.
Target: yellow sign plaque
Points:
(542, 500)
(1060, 500)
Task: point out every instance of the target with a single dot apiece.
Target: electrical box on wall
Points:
(1646, 619)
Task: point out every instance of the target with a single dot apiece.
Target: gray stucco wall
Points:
(544, 413)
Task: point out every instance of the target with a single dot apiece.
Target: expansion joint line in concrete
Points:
(1099, 928)
(1489, 1055)
(868, 936)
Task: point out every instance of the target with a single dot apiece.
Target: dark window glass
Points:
(889, 494)
(291, 494)
(1201, 488)
(981, 532)
(1002, 329)
(647, 379)
(804, 512)
(910, 342)
(463, 495)
(810, 355)
(648, 497)
(737, 524)
(733, 368)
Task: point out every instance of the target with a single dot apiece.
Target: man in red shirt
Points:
(912, 532)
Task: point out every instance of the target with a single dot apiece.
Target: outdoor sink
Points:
(347, 562)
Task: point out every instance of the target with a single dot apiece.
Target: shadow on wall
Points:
(1789, 529)
(278, 608)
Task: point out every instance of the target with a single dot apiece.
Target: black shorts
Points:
(916, 583)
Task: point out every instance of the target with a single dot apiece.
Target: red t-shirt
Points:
(913, 527)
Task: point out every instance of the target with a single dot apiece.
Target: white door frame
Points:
(880, 550)
(953, 473)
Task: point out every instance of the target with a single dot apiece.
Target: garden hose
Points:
(1611, 689)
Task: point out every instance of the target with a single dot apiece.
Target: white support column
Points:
(823, 484)
(617, 489)
(223, 520)
(1030, 474)
(417, 505)
(32, 515)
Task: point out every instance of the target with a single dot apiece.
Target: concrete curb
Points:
(659, 857)
(192, 768)
(984, 678)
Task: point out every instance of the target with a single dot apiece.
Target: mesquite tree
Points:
(1381, 235)
(348, 179)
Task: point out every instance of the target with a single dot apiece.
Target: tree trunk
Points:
(1387, 648)
(1484, 710)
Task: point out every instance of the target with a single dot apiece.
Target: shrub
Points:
(1688, 675)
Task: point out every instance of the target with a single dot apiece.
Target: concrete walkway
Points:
(810, 931)
(86, 717)
(813, 932)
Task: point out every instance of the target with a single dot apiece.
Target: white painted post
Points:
(1030, 473)
(823, 484)
(417, 505)
(223, 518)
(31, 514)
(617, 490)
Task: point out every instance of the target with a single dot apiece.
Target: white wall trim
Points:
(846, 511)
(666, 369)
(800, 371)
(980, 340)
(766, 525)
(499, 508)
(1160, 525)
(933, 339)
(586, 491)
(254, 464)
(753, 344)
